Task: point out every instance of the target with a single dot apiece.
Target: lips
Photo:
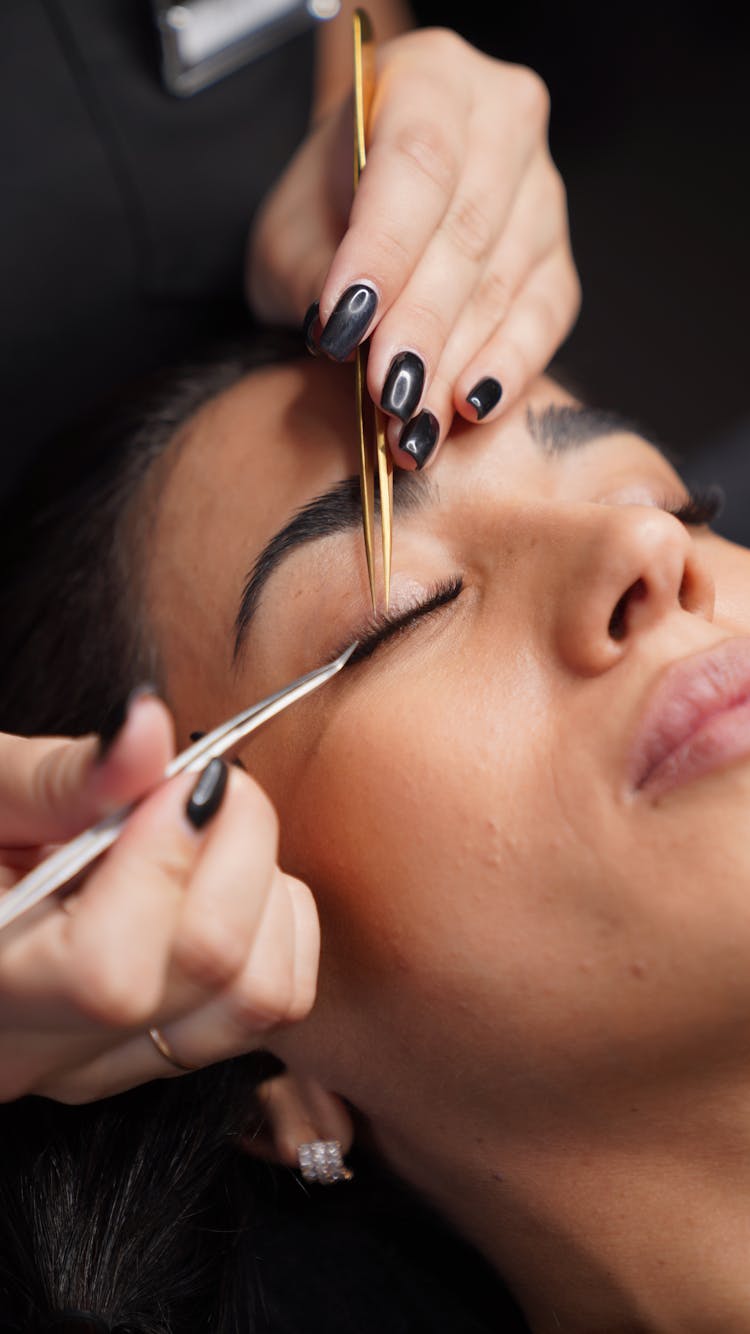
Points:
(696, 720)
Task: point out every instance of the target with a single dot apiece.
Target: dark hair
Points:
(139, 1210)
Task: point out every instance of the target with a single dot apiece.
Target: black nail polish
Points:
(116, 718)
(206, 796)
(419, 437)
(485, 396)
(308, 329)
(403, 385)
(348, 321)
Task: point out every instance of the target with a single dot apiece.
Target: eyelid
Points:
(382, 626)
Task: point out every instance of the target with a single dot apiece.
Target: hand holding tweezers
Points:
(69, 860)
(373, 456)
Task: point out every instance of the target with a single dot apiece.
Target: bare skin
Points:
(534, 980)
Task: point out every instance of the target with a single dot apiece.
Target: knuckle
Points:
(389, 252)
(262, 1000)
(557, 190)
(574, 290)
(468, 228)
(114, 998)
(207, 954)
(427, 147)
(531, 95)
(429, 321)
(493, 295)
(51, 780)
(545, 321)
(301, 1000)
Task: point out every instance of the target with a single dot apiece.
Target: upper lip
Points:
(686, 695)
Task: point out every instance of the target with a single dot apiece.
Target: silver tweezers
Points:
(69, 860)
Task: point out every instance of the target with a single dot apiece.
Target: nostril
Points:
(618, 621)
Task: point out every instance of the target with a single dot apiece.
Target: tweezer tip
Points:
(344, 657)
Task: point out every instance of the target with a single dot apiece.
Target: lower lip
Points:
(722, 740)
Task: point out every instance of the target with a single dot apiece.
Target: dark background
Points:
(650, 128)
(125, 209)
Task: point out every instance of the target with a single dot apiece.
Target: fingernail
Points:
(308, 328)
(485, 396)
(419, 437)
(348, 321)
(206, 796)
(117, 717)
(403, 385)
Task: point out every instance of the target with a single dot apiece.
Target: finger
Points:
(414, 161)
(468, 378)
(536, 226)
(102, 965)
(537, 222)
(226, 901)
(541, 315)
(52, 787)
(277, 985)
(450, 271)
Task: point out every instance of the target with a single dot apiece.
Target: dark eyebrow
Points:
(337, 510)
(556, 429)
(562, 427)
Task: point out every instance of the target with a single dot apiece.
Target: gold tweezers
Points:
(374, 457)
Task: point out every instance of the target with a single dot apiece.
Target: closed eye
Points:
(383, 627)
(703, 505)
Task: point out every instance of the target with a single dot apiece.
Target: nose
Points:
(623, 570)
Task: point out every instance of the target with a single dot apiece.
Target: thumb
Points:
(52, 787)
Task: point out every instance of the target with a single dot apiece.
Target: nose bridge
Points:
(618, 571)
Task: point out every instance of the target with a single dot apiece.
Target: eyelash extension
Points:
(703, 505)
(385, 627)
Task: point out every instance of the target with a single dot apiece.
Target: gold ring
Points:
(163, 1047)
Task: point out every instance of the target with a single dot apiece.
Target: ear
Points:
(295, 1110)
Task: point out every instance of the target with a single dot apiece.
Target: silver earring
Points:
(322, 1162)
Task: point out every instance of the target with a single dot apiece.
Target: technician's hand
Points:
(455, 255)
(187, 924)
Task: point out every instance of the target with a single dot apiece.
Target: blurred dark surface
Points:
(650, 128)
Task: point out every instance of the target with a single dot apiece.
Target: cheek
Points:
(415, 820)
(730, 567)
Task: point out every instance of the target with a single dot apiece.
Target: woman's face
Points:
(521, 895)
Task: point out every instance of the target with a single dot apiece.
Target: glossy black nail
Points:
(117, 716)
(348, 321)
(419, 437)
(485, 396)
(206, 797)
(308, 329)
(403, 385)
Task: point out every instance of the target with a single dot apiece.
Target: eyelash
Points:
(702, 506)
(384, 627)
